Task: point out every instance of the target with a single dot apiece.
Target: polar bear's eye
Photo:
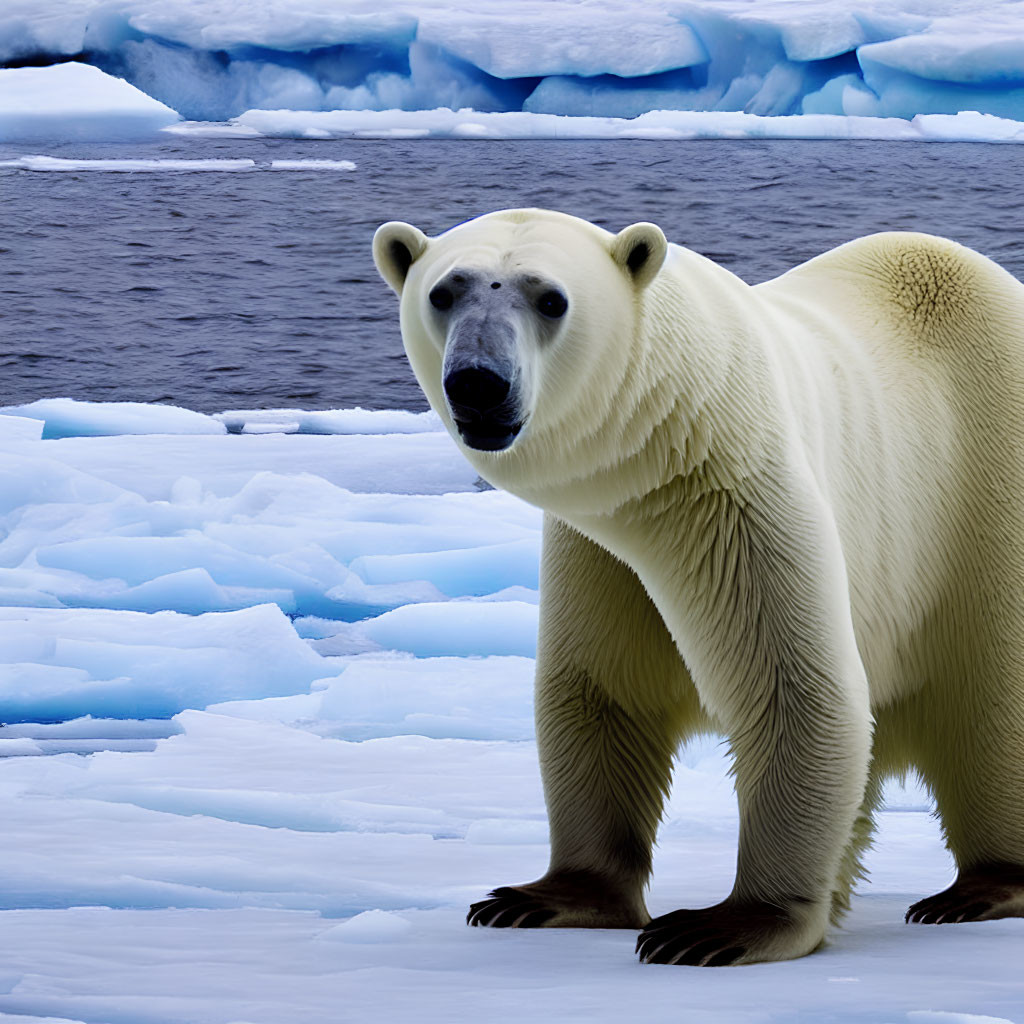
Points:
(441, 298)
(552, 304)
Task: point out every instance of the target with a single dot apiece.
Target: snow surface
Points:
(299, 667)
(592, 59)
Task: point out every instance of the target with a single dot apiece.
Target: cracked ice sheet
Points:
(252, 865)
(250, 871)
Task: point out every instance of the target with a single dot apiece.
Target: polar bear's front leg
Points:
(613, 699)
(756, 595)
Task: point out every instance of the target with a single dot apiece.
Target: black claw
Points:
(697, 953)
(724, 957)
(947, 914)
(662, 953)
(974, 911)
(484, 912)
(508, 908)
(476, 912)
(712, 937)
(504, 918)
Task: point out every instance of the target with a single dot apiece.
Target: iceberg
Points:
(564, 58)
(76, 102)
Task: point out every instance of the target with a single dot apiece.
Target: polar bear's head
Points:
(509, 319)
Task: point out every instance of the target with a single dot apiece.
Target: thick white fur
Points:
(819, 484)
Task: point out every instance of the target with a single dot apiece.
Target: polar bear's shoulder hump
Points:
(929, 283)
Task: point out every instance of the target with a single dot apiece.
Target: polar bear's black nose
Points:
(475, 390)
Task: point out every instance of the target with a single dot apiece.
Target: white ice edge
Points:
(445, 123)
(49, 163)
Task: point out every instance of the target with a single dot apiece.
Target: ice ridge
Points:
(214, 60)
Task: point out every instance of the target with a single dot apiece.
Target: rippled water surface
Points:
(218, 290)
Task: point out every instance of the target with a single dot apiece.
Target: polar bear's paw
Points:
(732, 932)
(983, 893)
(568, 900)
(509, 908)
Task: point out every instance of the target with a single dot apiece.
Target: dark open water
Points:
(220, 290)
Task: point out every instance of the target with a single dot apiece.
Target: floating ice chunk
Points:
(20, 428)
(479, 570)
(259, 472)
(370, 926)
(462, 698)
(68, 417)
(301, 708)
(312, 165)
(217, 577)
(75, 102)
(121, 664)
(659, 124)
(355, 591)
(334, 421)
(455, 627)
(31, 480)
(86, 736)
(165, 165)
(52, 163)
(969, 126)
(193, 591)
(96, 728)
(272, 427)
(140, 560)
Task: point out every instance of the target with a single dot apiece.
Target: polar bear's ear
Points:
(396, 247)
(640, 251)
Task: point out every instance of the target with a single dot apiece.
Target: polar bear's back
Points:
(945, 302)
(916, 345)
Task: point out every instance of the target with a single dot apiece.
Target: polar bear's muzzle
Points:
(484, 407)
(481, 381)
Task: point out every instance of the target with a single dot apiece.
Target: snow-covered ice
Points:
(66, 417)
(75, 102)
(444, 123)
(300, 666)
(576, 66)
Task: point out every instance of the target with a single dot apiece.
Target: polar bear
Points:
(791, 513)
